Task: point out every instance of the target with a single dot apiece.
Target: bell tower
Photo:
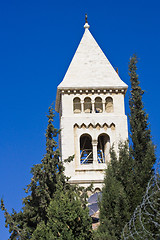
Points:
(90, 101)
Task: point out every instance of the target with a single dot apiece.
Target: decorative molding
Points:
(91, 91)
(85, 181)
(83, 125)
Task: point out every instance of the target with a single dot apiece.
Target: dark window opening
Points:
(98, 105)
(76, 105)
(87, 105)
(103, 148)
(109, 105)
(86, 152)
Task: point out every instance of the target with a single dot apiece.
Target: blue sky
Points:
(37, 42)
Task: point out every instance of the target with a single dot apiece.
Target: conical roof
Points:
(90, 68)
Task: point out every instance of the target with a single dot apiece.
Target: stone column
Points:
(94, 145)
(82, 106)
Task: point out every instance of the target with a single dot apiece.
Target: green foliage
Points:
(128, 174)
(67, 220)
(142, 148)
(114, 208)
(44, 197)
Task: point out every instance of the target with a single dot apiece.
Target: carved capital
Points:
(94, 142)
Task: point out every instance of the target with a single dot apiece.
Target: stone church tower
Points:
(90, 101)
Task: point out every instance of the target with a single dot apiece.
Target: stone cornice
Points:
(85, 181)
(92, 91)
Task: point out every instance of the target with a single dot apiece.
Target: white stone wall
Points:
(73, 125)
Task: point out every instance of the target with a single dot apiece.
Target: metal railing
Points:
(100, 156)
(86, 156)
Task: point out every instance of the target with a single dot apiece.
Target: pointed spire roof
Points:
(90, 68)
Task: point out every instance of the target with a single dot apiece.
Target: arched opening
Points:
(109, 105)
(98, 105)
(103, 148)
(87, 105)
(76, 105)
(97, 190)
(86, 152)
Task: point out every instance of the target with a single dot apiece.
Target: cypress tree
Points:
(47, 177)
(124, 170)
(142, 148)
(114, 208)
(128, 174)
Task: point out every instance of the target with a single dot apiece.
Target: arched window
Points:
(109, 105)
(86, 152)
(103, 148)
(76, 105)
(87, 105)
(98, 105)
